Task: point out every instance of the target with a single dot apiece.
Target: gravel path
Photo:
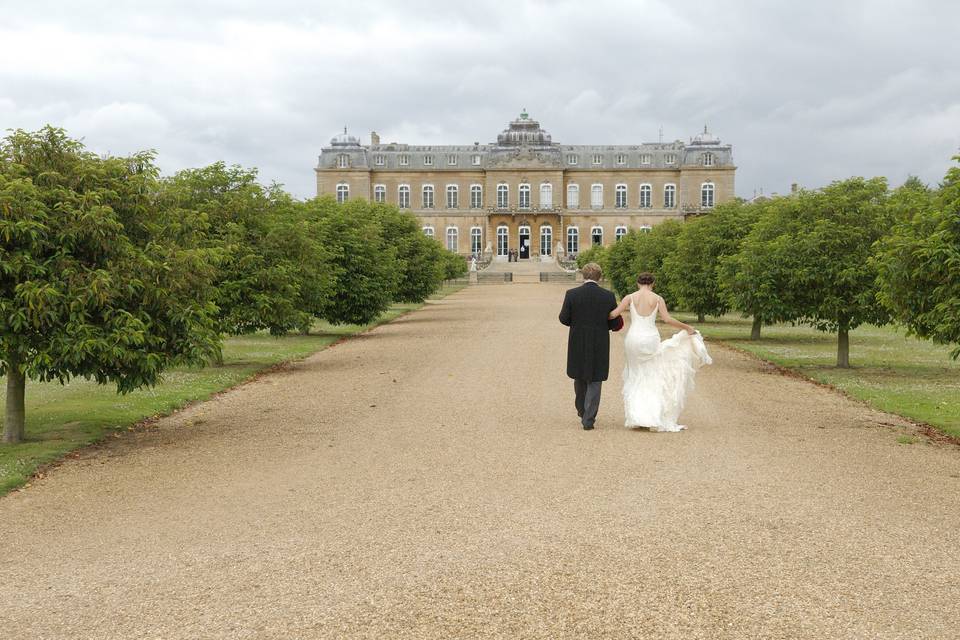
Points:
(429, 479)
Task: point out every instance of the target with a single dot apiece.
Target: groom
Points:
(585, 310)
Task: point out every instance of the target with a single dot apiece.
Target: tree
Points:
(363, 265)
(919, 262)
(693, 269)
(93, 280)
(421, 265)
(641, 251)
(596, 253)
(454, 265)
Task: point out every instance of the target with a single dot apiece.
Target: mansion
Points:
(530, 195)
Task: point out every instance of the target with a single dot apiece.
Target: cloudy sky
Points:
(805, 91)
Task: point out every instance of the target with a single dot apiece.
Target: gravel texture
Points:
(429, 479)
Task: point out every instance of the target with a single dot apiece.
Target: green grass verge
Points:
(62, 418)
(890, 371)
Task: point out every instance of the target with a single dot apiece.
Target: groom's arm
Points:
(565, 310)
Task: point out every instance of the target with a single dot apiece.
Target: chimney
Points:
(374, 138)
(794, 187)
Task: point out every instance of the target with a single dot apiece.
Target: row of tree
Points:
(851, 253)
(111, 272)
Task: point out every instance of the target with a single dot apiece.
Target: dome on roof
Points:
(705, 138)
(344, 140)
(523, 130)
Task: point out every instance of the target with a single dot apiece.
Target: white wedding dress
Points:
(658, 375)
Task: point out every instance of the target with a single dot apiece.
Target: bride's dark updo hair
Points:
(646, 278)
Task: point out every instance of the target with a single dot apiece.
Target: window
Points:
(670, 158)
(476, 196)
(452, 234)
(453, 196)
(706, 195)
(572, 158)
(503, 196)
(378, 160)
(596, 196)
(619, 232)
(708, 159)
(546, 240)
(596, 236)
(524, 202)
(404, 159)
(597, 158)
(428, 196)
(476, 240)
(403, 196)
(379, 193)
(428, 160)
(503, 240)
(621, 197)
(573, 241)
(573, 196)
(645, 228)
(646, 196)
(343, 192)
(669, 196)
(428, 231)
(475, 159)
(546, 196)
(343, 161)
(621, 158)
(452, 159)
(646, 158)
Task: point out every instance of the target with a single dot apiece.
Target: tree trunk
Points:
(755, 329)
(701, 318)
(13, 422)
(843, 348)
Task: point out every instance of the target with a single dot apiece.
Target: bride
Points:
(658, 375)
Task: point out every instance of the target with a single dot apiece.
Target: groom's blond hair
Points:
(592, 271)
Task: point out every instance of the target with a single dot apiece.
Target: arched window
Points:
(343, 161)
(476, 196)
(452, 233)
(476, 240)
(428, 231)
(596, 235)
(645, 228)
(503, 196)
(546, 240)
(596, 196)
(573, 196)
(619, 232)
(503, 240)
(621, 197)
(379, 193)
(428, 196)
(403, 196)
(453, 196)
(646, 196)
(343, 192)
(546, 196)
(669, 196)
(524, 202)
(706, 195)
(708, 160)
(573, 241)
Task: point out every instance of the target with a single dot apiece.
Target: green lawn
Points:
(891, 371)
(61, 418)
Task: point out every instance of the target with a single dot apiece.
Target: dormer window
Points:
(378, 160)
(646, 159)
(428, 160)
(452, 159)
(708, 160)
(597, 158)
(343, 161)
(404, 160)
(475, 159)
(573, 159)
(621, 158)
(670, 158)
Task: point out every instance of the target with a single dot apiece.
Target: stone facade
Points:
(526, 193)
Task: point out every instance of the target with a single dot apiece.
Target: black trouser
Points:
(588, 400)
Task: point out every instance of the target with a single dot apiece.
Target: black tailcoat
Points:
(585, 310)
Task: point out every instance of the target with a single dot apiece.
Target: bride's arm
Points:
(666, 317)
(620, 307)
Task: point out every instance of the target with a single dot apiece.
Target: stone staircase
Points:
(525, 271)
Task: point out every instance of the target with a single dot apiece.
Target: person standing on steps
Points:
(585, 310)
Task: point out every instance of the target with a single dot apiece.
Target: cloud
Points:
(805, 92)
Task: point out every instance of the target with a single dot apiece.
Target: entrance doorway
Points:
(524, 243)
